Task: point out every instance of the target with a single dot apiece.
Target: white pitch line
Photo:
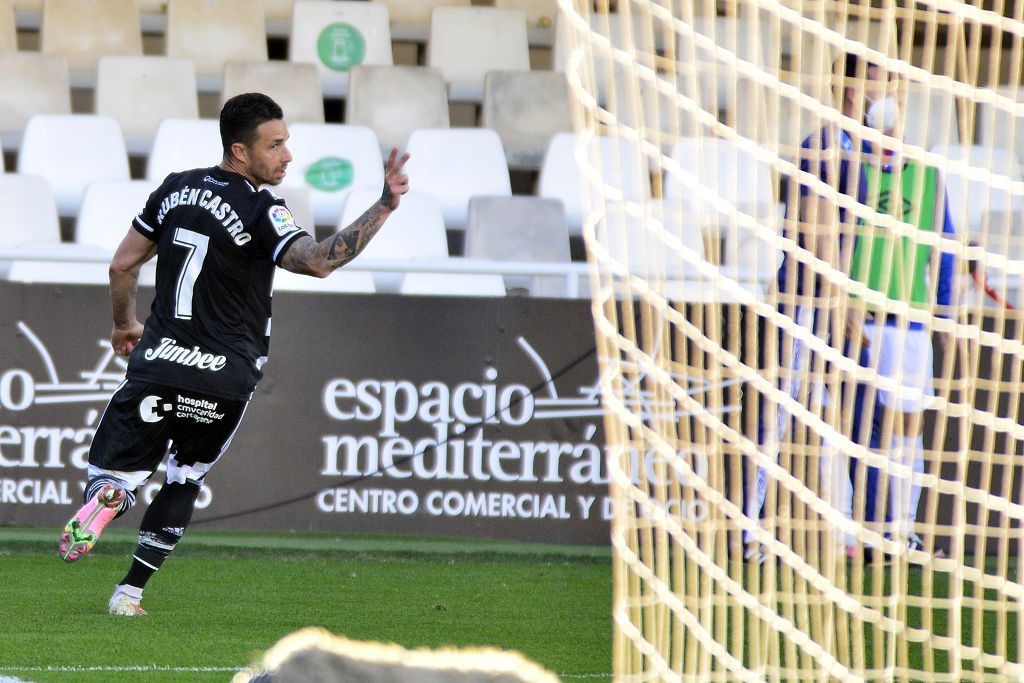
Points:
(177, 669)
(115, 669)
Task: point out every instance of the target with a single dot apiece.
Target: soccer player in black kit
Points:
(195, 363)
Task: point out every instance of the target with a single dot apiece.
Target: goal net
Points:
(803, 220)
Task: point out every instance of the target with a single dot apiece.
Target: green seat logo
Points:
(341, 46)
(330, 174)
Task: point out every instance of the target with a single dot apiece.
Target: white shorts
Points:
(906, 357)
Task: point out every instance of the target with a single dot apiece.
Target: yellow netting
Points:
(817, 475)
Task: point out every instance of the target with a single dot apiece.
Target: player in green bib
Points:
(912, 274)
(891, 260)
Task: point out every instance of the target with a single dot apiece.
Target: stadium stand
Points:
(734, 34)
(415, 232)
(743, 182)
(278, 15)
(410, 19)
(540, 18)
(467, 42)
(345, 280)
(994, 127)
(154, 67)
(38, 224)
(8, 27)
(108, 208)
(181, 144)
(332, 159)
(71, 151)
(212, 32)
(338, 35)
(453, 284)
(66, 273)
(39, 229)
(456, 164)
(140, 92)
(395, 100)
(30, 83)
(526, 108)
(626, 235)
(610, 25)
(560, 176)
(985, 194)
(520, 229)
(938, 110)
(86, 30)
(296, 87)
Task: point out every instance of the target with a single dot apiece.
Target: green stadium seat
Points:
(337, 36)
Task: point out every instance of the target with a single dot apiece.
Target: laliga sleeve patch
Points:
(281, 219)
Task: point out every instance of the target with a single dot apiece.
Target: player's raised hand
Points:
(396, 183)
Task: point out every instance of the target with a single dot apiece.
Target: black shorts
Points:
(145, 421)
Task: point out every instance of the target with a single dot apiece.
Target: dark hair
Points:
(853, 63)
(242, 115)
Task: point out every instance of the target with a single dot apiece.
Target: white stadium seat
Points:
(33, 196)
(410, 19)
(625, 175)
(456, 164)
(396, 100)
(295, 87)
(540, 18)
(526, 108)
(416, 231)
(520, 229)
(86, 30)
(467, 42)
(108, 208)
(140, 92)
(71, 151)
(181, 144)
(8, 27)
(30, 83)
(213, 32)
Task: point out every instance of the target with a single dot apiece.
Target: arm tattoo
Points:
(347, 244)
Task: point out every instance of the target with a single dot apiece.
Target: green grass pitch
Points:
(224, 598)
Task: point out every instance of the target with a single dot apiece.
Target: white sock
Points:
(131, 591)
(913, 453)
(836, 484)
(905, 494)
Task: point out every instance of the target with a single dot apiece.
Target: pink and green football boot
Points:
(84, 529)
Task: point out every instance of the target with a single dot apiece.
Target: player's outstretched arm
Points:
(133, 251)
(309, 257)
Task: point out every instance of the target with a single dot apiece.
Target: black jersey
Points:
(219, 241)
